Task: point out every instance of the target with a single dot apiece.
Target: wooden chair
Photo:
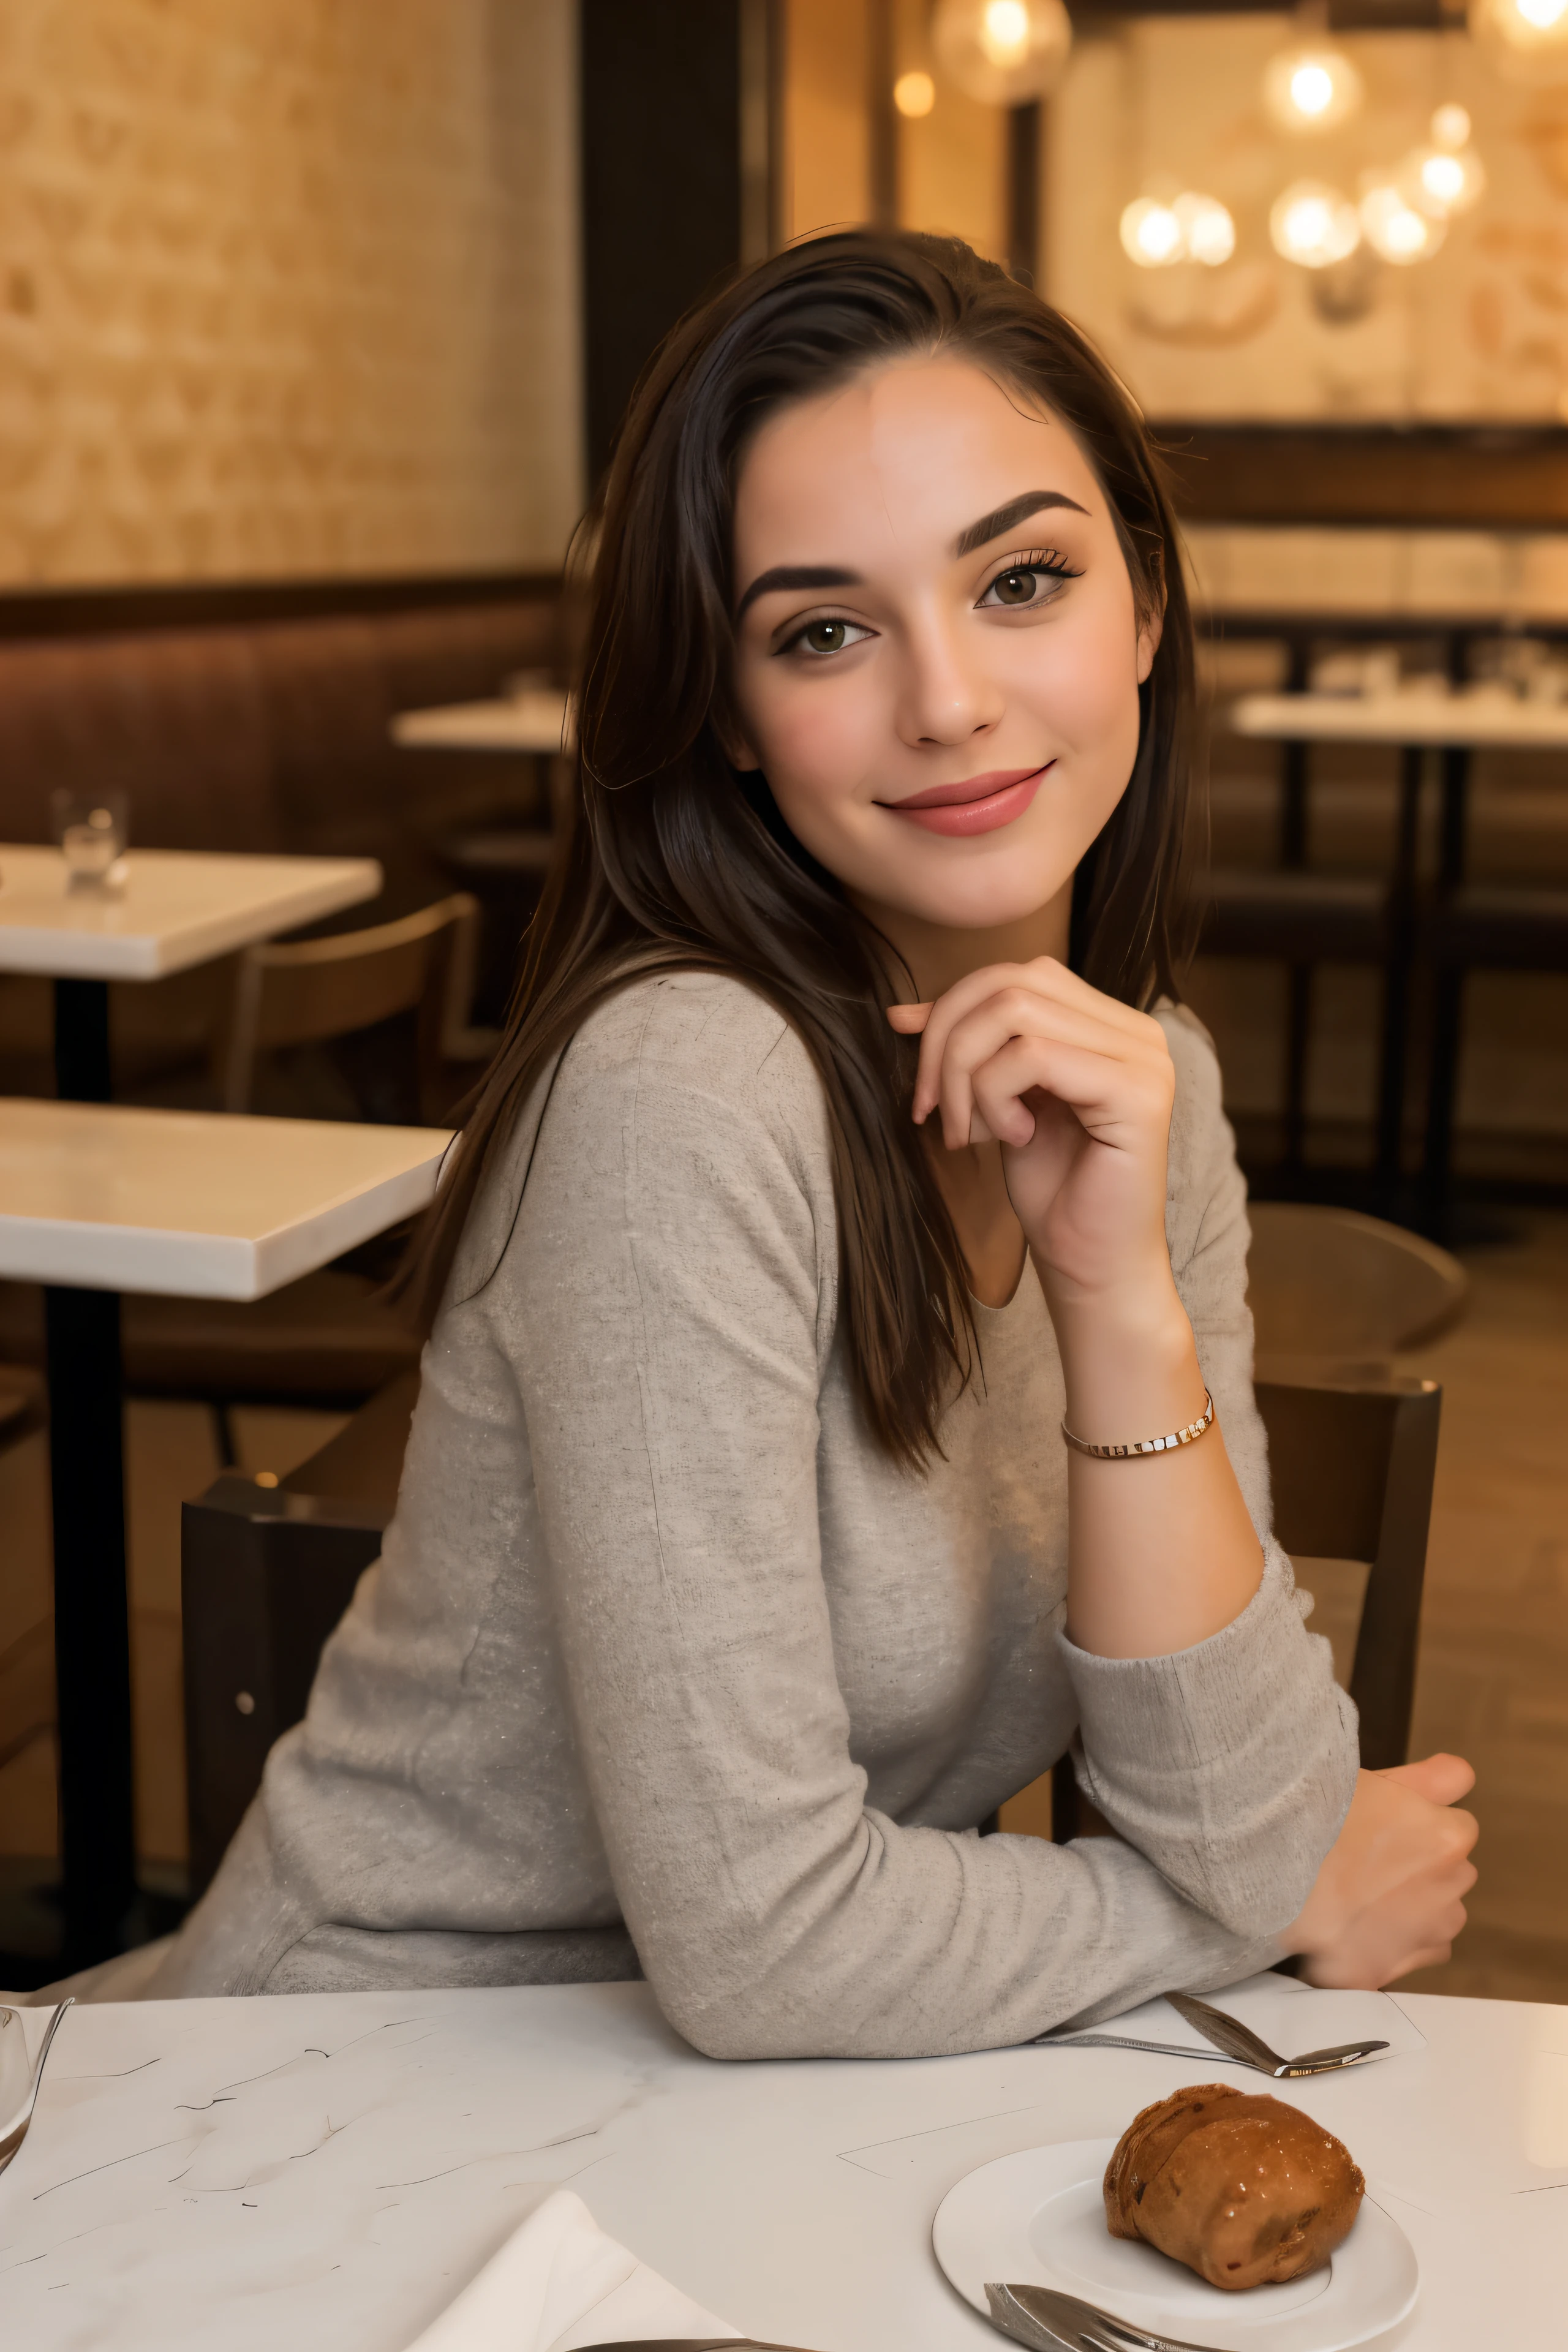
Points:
(1352, 1463)
(309, 991)
(1331, 1283)
(266, 1573)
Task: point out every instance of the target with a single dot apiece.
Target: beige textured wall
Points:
(286, 287)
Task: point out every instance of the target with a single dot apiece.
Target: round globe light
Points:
(1314, 224)
(914, 95)
(1151, 234)
(1441, 182)
(1451, 127)
(1526, 38)
(1002, 52)
(1394, 229)
(1312, 90)
(1208, 232)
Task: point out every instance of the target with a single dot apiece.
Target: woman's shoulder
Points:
(670, 1047)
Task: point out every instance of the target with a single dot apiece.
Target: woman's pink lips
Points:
(980, 804)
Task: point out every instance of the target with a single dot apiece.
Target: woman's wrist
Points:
(1129, 1364)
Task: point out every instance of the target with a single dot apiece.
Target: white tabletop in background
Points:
(196, 1204)
(178, 908)
(535, 722)
(326, 2172)
(1487, 719)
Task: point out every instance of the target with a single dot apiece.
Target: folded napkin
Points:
(1290, 2015)
(558, 2283)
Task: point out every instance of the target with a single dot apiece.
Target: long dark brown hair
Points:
(672, 859)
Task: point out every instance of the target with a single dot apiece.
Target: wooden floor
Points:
(1494, 1663)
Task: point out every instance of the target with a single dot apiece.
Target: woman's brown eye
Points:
(1016, 588)
(825, 637)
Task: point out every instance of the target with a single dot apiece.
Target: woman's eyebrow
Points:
(795, 575)
(1007, 518)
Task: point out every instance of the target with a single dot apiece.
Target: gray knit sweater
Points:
(665, 1663)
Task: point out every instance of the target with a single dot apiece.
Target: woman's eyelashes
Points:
(1024, 581)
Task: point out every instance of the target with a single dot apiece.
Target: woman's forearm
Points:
(1161, 1552)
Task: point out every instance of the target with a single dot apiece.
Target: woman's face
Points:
(937, 656)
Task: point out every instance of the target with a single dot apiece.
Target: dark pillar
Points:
(1024, 143)
(663, 188)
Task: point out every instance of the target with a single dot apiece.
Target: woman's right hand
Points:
(1389, 1897)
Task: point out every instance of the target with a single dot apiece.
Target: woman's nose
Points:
(944, 698)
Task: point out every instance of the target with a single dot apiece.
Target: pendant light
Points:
(1002, 52)
(1311, 89)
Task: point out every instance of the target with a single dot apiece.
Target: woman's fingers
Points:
(1040, 984)
(1110, 1063)
(1442, 1779)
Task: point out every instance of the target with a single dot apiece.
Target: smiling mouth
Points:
(979, 805)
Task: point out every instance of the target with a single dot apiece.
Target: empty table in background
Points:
(173, 910)
(538, 721)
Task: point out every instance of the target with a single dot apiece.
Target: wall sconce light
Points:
(1314, 224)
(914, 95)
(1002, 52)
(1192, 229)
(1315, 90)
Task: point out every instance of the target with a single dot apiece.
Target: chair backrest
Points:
(1352, 1463)
(311, 990)
(266, 1573)
(1332, 1283)
(1353, 1468)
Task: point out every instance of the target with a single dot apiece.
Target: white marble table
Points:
(196, 1204)
(327, 2172)
(177, 907)
(538, 721)
(1483, 718)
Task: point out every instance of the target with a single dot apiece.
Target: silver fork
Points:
(1228, 2035)
(13, 2127)
(1048, 2322)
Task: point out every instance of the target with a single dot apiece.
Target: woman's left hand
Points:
(1078, 1089)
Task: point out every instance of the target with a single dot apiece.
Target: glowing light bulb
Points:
(914, 95)
(1395, 229)
(1208, 232)
(1002, 52)
(1004, 33)
(1151, 234)
(1451, 128)
(1312, 90)
(1520, 30)
(1314, 224)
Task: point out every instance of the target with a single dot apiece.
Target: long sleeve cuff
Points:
(1230, 1765)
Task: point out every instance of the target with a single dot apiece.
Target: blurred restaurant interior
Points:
(316, 320)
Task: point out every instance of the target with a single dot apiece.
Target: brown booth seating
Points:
(267, 736)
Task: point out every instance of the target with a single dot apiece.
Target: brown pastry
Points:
(1244, 2189)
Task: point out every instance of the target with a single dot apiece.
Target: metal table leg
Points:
(92, 1633)
(1396, 983)
(1447, 1007)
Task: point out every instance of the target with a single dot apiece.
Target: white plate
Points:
(1037, 2218)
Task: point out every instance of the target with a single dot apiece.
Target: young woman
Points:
(846, 1150)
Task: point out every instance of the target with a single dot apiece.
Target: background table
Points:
(177, 909)
(1419, 720)
(185, 1205)
(328, 2171)
(537, 721)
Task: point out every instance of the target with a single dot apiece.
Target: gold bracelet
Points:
(1194, 1430)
